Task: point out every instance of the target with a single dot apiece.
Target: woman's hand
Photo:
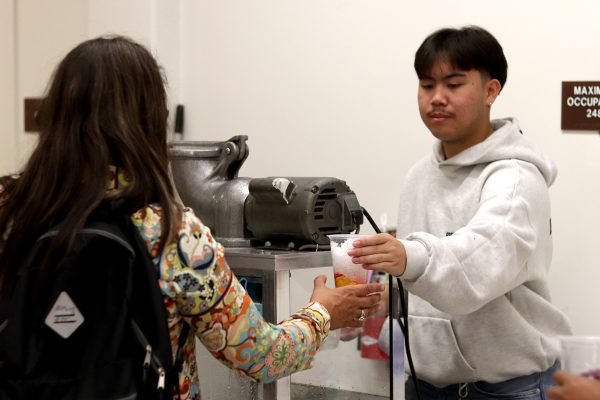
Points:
(346, 304)
(381, 252)
(574, 387)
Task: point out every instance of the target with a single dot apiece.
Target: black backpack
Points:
(96, 327)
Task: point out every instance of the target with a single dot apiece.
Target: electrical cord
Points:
(403, 315)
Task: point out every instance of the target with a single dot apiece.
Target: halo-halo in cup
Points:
(345, 271)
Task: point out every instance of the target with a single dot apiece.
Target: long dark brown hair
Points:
(105, 105)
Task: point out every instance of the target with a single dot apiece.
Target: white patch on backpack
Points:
(64, 318)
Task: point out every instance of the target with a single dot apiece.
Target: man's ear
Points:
(493, 88)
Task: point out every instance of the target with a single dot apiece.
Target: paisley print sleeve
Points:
(194, 273)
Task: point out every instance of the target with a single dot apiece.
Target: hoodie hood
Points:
(505, 143)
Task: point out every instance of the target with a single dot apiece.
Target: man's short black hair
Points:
(470, 47)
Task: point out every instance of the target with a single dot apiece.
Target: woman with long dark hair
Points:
(104, 136)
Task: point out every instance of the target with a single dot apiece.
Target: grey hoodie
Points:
(477, 233)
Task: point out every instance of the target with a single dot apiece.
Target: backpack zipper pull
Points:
(147, 361)
(148, 357)
(161, 379)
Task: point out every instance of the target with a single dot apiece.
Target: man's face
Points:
(454, 105)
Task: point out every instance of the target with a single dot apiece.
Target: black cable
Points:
(403, 326)
(390, 313)
(404, 308)
(391, 333)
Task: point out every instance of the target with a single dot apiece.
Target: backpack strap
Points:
(185, 330)
(178, 364)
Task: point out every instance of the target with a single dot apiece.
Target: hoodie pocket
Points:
(436, 355)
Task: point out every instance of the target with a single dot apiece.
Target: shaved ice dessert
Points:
(345, 271)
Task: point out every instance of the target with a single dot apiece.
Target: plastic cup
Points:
(345, 271)
(580, 355)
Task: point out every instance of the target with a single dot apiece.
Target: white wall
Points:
(36, 35)
(328, 89)
(7, 86)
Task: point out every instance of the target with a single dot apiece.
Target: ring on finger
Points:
(363, 316)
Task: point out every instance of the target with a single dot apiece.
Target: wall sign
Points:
(580, 106)
(32, 105)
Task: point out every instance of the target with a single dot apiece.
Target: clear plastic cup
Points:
(345, 271)
(580, 355)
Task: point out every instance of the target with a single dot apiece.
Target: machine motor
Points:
(294, 212)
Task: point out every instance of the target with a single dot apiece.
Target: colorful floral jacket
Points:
(201, 290)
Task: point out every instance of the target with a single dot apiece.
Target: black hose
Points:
(403, 315)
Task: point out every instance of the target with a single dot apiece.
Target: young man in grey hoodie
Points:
(474, 235)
